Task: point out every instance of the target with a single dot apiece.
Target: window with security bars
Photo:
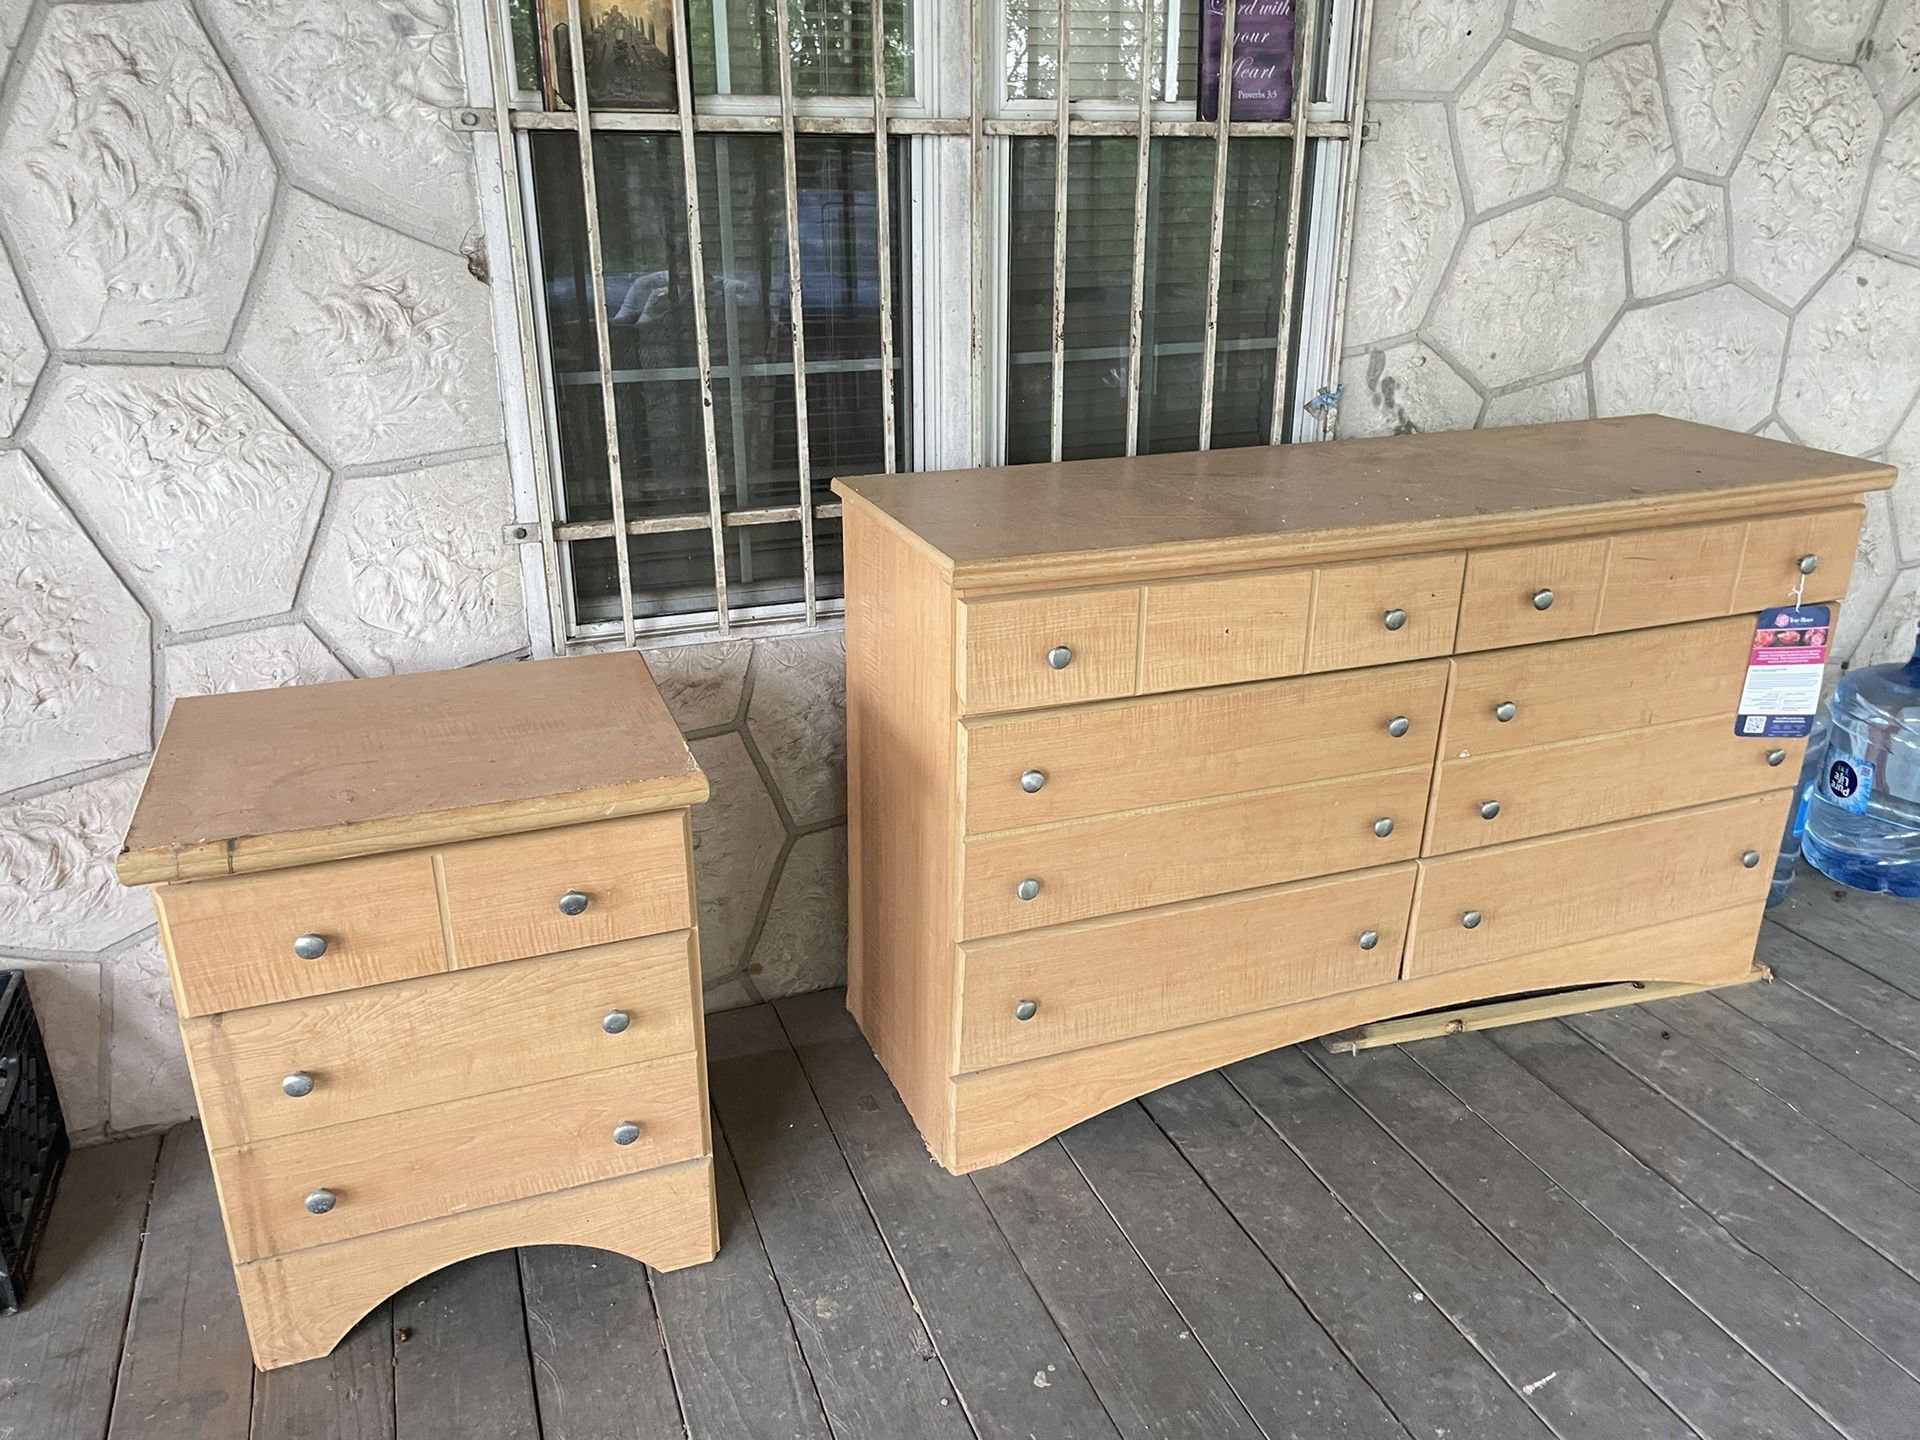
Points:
(824, 241)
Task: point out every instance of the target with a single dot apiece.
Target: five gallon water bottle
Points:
(1863, 826)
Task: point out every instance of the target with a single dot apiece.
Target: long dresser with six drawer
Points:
(433, 949)
(1159, 763)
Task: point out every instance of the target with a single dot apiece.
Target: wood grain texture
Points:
(1004, 645)
(1621, 776)
(365, 766)
(1238, 509)
(1769, 571)
(299, 1305)
(1111, 863)
(1225, 631)
(1110, 979)
(1351, 603)
(1128, 754)
(396, 1170)
(1497, 606)
(1002, 1111)
(503, 895)
(1581, 688)
(185, 1371)
(230, 942)
(425, 1042)
(1534, 895)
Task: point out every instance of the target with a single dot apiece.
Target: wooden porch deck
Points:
(1699, 1218)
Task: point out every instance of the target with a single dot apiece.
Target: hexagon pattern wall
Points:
(1705, 208)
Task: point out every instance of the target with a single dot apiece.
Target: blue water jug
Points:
(1863, 826)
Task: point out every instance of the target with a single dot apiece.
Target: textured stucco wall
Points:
(1707, 208)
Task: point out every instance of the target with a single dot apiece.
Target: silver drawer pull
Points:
(1542, 598)
(1397, 726)
(1383, 827)
(615, 1021)
(319, 1202)
(1025, 1009)
(1505, 711)
(1489, 809)
(1808, 564)
(1469, 919)
(1032, 780)
(1369, 939)
(1027, 888)
(626, 1132)
(1394, 618)
(1060, 656)
(310, 946)
(297, 1086)
(1776, 757)
(573, 903)
(1750, 858)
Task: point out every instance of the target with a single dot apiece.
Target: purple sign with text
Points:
(1262, 59)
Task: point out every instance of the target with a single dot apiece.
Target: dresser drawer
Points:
(1536, 894)
(1104, 980)
(1030, 770)
(1656, 577)
(1024, 879)
(1771, 562)
(1374, 612)
(1517, 794)
(1515, 699)
(1523, 594)
(439, 1038)
(1037, 650)
(1225, 631)
(357, 922)
(441, 1159)
(563, 889)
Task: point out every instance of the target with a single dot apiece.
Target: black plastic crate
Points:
(33, 1138)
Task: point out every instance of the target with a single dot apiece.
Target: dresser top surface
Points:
(266, 779)
(1065, 521)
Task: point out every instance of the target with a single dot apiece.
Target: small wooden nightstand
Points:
(432, 943)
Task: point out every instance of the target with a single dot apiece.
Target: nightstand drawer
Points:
(1533, 895)
(301, 1066)
(303, 1190)
(1052, 990)
(1047, 649)
(257, 939)
(552, 890)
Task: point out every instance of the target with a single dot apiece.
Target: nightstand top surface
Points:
(267, 779)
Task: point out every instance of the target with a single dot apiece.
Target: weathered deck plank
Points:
(1842, 989)
(1874, 932)
(348, 1395)
(991, 1328)
(460, 1363)
(599, 1358)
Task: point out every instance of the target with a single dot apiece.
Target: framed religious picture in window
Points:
(629, 57)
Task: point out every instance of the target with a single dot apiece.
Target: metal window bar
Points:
(796, 305)
(1217, 219)
(1304, 41)
(1063, 138)
(1142, 169)
(1353, 102)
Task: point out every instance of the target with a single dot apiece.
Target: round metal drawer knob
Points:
(1469, 919)
(1397, 726)
(615, 1021)
(310, 947)
(1505, 711)
(319, 1202)
(1750, 858)
(1060, 656)
(1776, 757)
(1542, 598)
(1383, 827)
(1032, 780)
(1369, 939)
(1394, 618)
(1808, 564)
(573, 903)
(297, 1086)
(626, 1132)
(1027, 888)
(1025, 1009)
(1489, 809)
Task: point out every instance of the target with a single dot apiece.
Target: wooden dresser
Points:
(1159, 763)
(432, 944)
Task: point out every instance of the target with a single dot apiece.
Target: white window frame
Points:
(958, 127)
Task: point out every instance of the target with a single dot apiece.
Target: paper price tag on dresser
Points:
(1789, 657)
